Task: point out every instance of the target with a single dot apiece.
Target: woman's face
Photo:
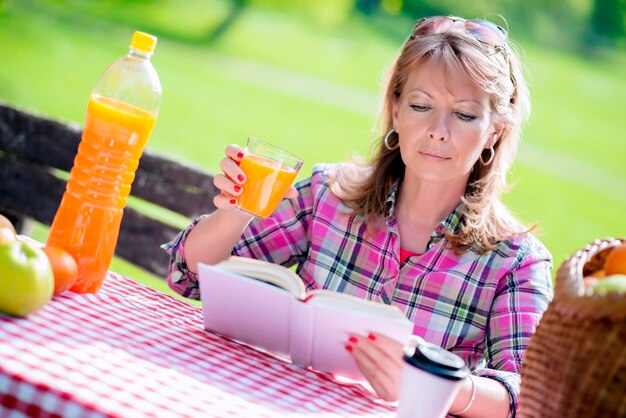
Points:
(443, 125)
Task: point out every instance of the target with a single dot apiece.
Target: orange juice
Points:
(266, 183)
(89, 216)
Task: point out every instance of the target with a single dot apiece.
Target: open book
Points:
(267, 305)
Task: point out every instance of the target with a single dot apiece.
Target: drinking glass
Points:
(269, 170)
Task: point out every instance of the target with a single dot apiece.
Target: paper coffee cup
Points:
(431, 379)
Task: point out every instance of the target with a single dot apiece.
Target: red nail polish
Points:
(372, 337)
(240, 155)
(232, 201)
(349, 348)
(240, 177)
(237, 188)
(353, 340)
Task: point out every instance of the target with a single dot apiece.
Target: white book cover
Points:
(267, 305)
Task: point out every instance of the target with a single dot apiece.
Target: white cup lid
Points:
(435, 360)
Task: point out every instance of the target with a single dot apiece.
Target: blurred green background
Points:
(306, 75)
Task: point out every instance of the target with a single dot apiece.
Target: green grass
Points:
(312, 89)
(578, 107)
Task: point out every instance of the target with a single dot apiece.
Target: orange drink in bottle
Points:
(269, 172)
(121, 114)
(88, 219)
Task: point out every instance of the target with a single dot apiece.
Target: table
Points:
(130, 351)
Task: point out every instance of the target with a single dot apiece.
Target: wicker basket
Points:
(575, 365)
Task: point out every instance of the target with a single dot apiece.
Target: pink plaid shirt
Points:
(482, 307)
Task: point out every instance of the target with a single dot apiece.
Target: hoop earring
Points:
(386, 140)
(492, 154)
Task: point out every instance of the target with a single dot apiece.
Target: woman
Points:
(421, 225)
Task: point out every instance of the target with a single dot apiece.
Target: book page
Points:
(353, 303)
(245, 309)
(271, 273)
(336, 316)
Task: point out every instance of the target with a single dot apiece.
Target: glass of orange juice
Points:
(269, 171)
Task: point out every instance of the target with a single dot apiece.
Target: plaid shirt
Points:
(482, 307)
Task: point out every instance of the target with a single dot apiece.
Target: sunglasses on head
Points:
(482, 30)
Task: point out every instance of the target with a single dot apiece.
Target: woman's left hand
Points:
(380, 360)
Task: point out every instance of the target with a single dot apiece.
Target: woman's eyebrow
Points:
(419, 90)
(467, 100)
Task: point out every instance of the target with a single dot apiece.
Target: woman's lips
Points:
(430, 156)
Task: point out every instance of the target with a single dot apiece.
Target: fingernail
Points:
(232, 201)
(353, 340)
(240, 177)
(371, 337)
(240, 155)
(237, 188)
(349, 348)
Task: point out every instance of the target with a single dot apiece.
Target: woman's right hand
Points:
(231, 181)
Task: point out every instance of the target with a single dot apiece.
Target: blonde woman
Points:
(421, 225)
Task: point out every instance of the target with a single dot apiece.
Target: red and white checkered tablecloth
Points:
(130, 351)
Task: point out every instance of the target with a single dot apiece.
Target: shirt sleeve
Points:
(521, 299)
(179, 278)
(280, 238)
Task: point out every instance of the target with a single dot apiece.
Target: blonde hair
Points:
(364, 186)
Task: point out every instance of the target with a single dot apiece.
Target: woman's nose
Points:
(438, 129)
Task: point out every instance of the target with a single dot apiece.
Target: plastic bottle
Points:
(121, 113)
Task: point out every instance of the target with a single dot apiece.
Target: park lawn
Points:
(314, 91)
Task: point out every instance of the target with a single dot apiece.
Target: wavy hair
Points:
(364, 186)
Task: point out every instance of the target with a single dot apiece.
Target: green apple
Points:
(612, 283)
(26, 278)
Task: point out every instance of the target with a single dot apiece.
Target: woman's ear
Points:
(395, 106)
(495, 136)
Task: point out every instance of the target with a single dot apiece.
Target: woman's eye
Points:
(420, 108)
(466, 117)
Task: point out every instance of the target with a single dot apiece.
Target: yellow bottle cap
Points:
(143, 41)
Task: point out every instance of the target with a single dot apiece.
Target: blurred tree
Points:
(236, 9)
(392, 7)
(566, 23)
(367, 7)
(608, 18)
(420, 8)
(327, 12)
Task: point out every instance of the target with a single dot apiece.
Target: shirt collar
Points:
(451, 223)
(391, 199)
